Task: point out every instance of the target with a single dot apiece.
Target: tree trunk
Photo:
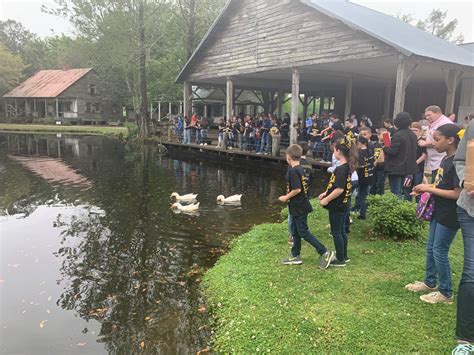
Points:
(143, 114)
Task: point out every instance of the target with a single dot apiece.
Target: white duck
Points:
(188, 208)
(184, 198)
(230, 199)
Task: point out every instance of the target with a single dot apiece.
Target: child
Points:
(299, 208)
(378, 187)
(336, 198)
(444, 225)
(365, 171)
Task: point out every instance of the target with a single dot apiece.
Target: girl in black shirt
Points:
(365, 172)
(337, 196)
(444, 224)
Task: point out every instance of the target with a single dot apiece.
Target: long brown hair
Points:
(349, 151)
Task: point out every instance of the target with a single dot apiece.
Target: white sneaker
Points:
(436, 297)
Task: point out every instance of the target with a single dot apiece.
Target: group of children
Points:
(358, 154)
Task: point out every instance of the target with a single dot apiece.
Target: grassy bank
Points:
(262, 306)
(30, 128)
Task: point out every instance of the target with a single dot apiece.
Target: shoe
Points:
(326, 259)
(436, 297)
(463, 349)
(347, 260)
(420, 287)
(292, 260)
(337, 263)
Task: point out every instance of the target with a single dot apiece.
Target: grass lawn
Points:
(30, 128)
(262, 306)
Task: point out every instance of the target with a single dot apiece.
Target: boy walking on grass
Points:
(299, 208)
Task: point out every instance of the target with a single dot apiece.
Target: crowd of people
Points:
(428, 156)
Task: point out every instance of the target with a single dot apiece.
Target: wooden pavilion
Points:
(369, 62)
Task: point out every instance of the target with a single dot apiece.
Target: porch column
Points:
(187, 100)
(295, 101)
(388, 100)
(170, 109)
(229, 99)
(57, 109)
(280, 104)
(34, 108)
(348, 105)
(45, 108)
(452, 80)
(205, 110)
(305, 107)
(404, 73)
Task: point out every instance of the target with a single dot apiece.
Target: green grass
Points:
(262, 306)
(31, 128)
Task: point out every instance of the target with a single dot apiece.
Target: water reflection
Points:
(127, 265)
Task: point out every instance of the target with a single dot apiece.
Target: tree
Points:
(14, 36)
(10, 70)
(436, 24)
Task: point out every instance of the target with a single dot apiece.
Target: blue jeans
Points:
(437, 262)
(465, 306)
(337, 219)
(363, 192)
(299, 230)
(187, 136)
(318, 147)
(396, 186)
(257, 144)
(265, 142)
(378, 188)
(204, 135)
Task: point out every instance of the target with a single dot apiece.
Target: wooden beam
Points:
(279, 103)
(187, 100)
(405, 71)
(452, 80)
(229, 99)
(57, 109)
(295, 94)
(348, 105)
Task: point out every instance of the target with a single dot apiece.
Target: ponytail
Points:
(349, 151)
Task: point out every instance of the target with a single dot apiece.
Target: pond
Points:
(92, 259)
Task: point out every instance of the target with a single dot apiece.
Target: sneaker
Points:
(347, 260)
(337, 263)
(420, 287)
(292, 260)
(325, 260)
(463, 349)
(436, 297)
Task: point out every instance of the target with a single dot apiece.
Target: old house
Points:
(70, 96)
(368, 62)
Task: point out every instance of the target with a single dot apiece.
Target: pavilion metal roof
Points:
(48, 83)
(406, 38)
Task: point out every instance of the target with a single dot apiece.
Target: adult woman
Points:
(400, 157)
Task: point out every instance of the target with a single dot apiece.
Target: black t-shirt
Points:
(295, 179)
(445, 209)
(308, 172)
(365, 171)
(340, 179)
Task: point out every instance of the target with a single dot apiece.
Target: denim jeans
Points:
(396, 186)
(465, 306)
(318, 147)
(299, 230)
(204, 135)
(378, 188)
(257, 144)
(363, 191)
(265, 142)
(187, 136)
(337, 219)
(437, 261)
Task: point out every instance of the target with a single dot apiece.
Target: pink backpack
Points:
(425, 207)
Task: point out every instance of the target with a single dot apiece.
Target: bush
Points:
(393, 218)
(44, 120)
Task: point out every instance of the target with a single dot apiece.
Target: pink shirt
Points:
(434, 158)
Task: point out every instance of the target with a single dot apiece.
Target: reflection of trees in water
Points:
(120, 272)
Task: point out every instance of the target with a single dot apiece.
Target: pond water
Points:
(92, 259)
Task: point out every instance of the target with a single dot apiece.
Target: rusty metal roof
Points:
(48, 83)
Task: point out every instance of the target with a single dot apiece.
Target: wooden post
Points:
(45, 108)
(187, 100)
(229, 99)
(388, 100)
(280, 104)
(452, 80)
(314, 104)
(34, 108)
(170, 109)
(348, 106)
(57, 109)
(405, 72)
(305, 107)
(205, 110)
(295, 101)
(16, 109)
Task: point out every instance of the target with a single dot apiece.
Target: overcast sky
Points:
(29, 13)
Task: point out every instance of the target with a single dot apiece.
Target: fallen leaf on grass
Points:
(203, 351)
(202, 310)
(42, 323)
(142, 345)
(182, 283)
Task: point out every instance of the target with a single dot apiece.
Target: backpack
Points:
(425, 207)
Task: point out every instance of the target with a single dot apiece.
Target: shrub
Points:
(393, 218)
(44, 120)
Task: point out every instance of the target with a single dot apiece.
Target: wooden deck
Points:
(234, 155)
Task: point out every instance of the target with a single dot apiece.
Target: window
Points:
(88, 107)
(67, 106)
(92, 89)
